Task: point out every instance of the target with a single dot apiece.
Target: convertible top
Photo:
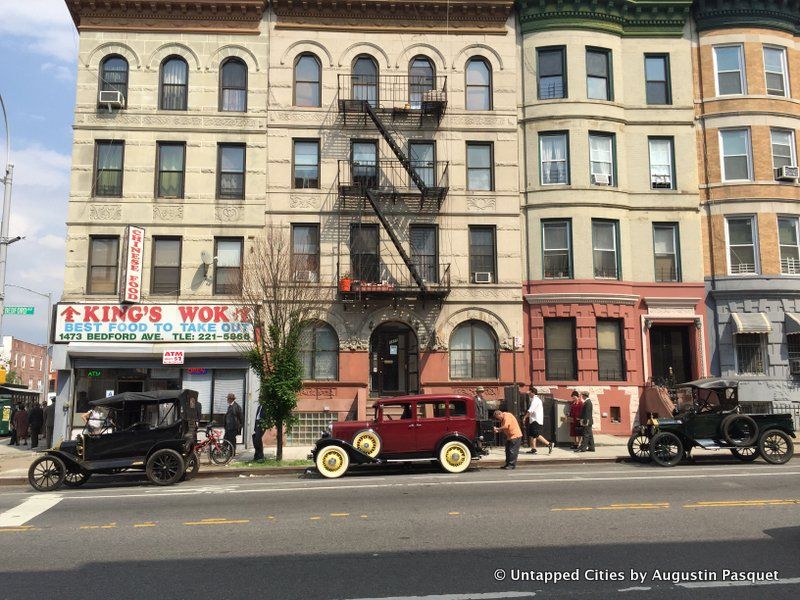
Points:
(156, 397)
(712, 383)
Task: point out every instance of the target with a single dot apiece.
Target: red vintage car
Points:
(439, 428)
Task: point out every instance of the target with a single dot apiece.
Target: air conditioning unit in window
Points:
(482, 277)
(787, 173)
(112, 99)
(794, 366)
(601, 179)
(660, 182)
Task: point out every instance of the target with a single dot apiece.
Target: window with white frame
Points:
(736, 155)
(741, 241)
(729, 65)
(775, 70)
(556, 249)
(666, 251)
(601, 158)
(662, 173)
(604, 249)
(750, 353)
(783, 149)
(789, 246)
(553, 155)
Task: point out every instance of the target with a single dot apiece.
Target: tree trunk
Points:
(279, 441)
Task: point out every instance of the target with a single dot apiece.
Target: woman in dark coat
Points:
(575, 409)
(21, 425)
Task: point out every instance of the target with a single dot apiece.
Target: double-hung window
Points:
(750, 353)
(166, 268)
(737, 161)
(775, 71)
(306, 164)
(601, 159)
(230, 171)
(108, 165)
(610, 350)
(557, 249)
(729, 65)
(666, 249)
(482, 254)
(605, 241)
(657, 80)
(741, 238)
(560, 356)
(480, 166)
(228, 269)
(662, 171)
(598, 74)
(305, 252)
(551, 67)
(171, 169)
(424, 252)
(554, 158)
(103, 265)
(790, 248)
(783, 149)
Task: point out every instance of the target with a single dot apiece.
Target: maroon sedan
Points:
(440, 428)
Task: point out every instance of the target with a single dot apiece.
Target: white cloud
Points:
(60, 72)
(44, 25)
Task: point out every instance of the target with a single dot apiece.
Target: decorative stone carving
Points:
(167, 212)
(105, 212)
(481, 203)
(307, 201)
(229, 213)
(355, 344)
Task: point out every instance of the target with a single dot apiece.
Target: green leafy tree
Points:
(277, 303)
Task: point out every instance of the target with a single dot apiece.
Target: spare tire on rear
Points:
(739, 430)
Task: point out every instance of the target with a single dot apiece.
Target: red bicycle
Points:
(220, 451)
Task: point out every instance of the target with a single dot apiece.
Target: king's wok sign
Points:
(151, 323)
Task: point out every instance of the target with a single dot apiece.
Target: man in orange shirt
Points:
(509, 427)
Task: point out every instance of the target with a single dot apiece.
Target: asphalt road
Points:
(401, 534)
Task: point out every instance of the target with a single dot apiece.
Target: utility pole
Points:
(4, 242)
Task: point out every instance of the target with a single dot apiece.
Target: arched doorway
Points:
(394, 360)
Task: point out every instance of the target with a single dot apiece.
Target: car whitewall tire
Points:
(455, 457)
(368, 442)
(332, 461)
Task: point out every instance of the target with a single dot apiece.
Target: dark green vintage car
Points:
(154, 432)
(712, 420)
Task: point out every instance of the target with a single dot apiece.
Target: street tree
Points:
(278, 304)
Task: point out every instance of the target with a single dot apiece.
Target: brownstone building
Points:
(23, 361)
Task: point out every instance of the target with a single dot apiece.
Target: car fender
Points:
(70, 460)
(455, 435)
(355, 455)
(177, 445)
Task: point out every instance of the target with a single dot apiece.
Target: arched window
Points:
(174, 84)
(319, 351)
(233, 86)
(114, 75)
(307, 75)
(421, 77)
(365, 79)
(473, 352)
(479, 84)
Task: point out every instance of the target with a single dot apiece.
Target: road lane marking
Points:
(147, 524)
(734, 503)
(625, 506)
(485, 596)
(340, 514)
(108, 526)
(716, 584)
(454, 514)
(218, 522)
(30, 508)
(365, 516)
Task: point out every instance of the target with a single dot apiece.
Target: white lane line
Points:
(32, 507)
(494, 482)
(719, 584)
(640, 588)
(487, 596)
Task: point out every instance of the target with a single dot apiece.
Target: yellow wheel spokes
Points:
(455, 456)
(367, 442)
(333, 460)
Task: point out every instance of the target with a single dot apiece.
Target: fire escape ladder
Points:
(404, 160)
(396, 241)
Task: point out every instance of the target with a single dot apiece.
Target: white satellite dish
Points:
(206, 257)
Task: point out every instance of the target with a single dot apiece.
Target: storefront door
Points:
(670, 355)
(394, 360)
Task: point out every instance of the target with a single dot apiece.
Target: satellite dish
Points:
(206, 257)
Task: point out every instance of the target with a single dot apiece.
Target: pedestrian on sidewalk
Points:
(481, 408)
(535, 419)
(13, 441)
(258, 434)
(574, 416)
(21, 425)
(510, 428)
(35, 422)
(49, 422)
(587, 443)
(233, 421)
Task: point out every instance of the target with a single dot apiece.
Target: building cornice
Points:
(195, 16)
(577, 298)
(410, 16)
(783, 15)
(629, 18)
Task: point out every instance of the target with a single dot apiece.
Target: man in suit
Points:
(233, 421)
(587, 443)
(35, 422)
(258, 433)
(49, 421)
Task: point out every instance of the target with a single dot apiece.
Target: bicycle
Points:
(220, 451)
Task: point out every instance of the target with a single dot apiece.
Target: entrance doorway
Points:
(670, 350)
(394, 360)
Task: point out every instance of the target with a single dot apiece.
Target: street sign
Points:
(172, 357)
(18, 310)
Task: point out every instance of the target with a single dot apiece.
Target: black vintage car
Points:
(711, 419)
(151, 431)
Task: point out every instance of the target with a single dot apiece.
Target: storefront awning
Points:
(792, 324)
(750, 323)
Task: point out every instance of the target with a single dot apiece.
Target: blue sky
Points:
(38, 60)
